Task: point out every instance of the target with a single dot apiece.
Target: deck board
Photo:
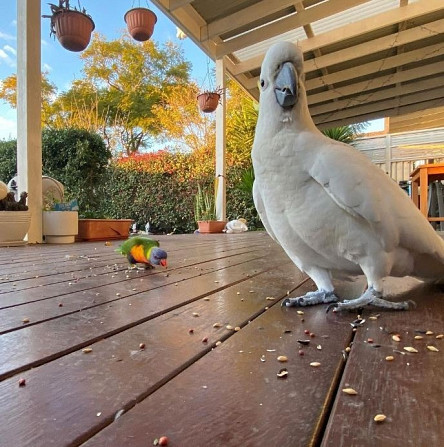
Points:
(191, 390)
(409, 390)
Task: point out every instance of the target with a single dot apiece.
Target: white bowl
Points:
(14, 226)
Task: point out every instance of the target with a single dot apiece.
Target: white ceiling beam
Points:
(395, 111)
(414, 87)
(176, 4)
(360, 50)
(376, 83)
(286, 24)
(365, 69)
(245, 16)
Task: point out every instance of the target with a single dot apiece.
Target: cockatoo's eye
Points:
(262, 83)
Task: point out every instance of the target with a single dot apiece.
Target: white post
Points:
(221, 204)
(29, 133)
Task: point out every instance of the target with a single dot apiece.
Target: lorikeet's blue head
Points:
(158, 257)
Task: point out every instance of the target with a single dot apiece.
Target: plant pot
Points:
(60, 227)
(211, 226)
(14, 226)
(103, 229)
(140, 23)
(208, 101)
(73, 29)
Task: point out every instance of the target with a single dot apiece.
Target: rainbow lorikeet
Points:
(142, 250)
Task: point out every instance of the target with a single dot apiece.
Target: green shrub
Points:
(8, 160)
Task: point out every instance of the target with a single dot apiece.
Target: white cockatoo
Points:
(325, 203)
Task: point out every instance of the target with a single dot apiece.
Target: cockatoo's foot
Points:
(373, 298)
(311, 298)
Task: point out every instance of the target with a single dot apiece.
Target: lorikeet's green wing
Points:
(137, 249)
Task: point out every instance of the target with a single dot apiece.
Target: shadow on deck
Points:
(191, 352)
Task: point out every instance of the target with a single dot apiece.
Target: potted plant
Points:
(60, 219)
(72, 26)
(15, 218)
(209, 100)
(205, 212)
(140, 23)
(103, 229)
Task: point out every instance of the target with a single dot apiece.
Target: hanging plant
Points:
(72, 26)
(209, 100)
(140, 23)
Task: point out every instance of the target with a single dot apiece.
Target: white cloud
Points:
(6, 59)
(5, 36)
(8, 128)
(10, 49)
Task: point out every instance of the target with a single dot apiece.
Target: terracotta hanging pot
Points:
(140, 23)
(208, 101)
(73, 29)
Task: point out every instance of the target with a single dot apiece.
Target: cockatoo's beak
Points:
(163, 262)
(286, 87)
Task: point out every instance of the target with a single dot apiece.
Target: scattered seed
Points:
(22, 382)
(282, 374)
(229, 327)
(142, 346)
(429, 333)
(369, 340)
(216, 325)
(304, 342)
(117, 294)
(347, 349)
(271, 350)
(270, 298)
(237, 293)
(390, 358)
(418, 337)
(237, 328)
(195, 314)
(319, 347)
(301, 352)
(99, 414)
(306, 331)
(357, 323)
(410, 349)
(218, 343)
(300, 312)
(312, 334)
(380, 418)
(205, 340)
(315, 364)
(263, 359)
(282, 358)
(440, 336)
(87, 350)
(191, 331)
(207, 299)
(432, 348)
(163, 440)
(350, 391)
(396, 338)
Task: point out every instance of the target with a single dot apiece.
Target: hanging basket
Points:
(73, 29)
(208, 101)
(140, 23)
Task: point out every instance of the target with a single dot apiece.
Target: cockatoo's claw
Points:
(311, 298)
(373, 298)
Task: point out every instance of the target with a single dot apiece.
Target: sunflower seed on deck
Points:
(282, 374)
(315, 364)
(390, 358)
(439, 336)
(282, 358)
(410, 349)
(429, 333)
(380, 418)
(396, 338)
(350, 391)
(300, 312)
(418, 337)
(432, 348)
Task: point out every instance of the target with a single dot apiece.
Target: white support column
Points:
(221, 202)
(29, 133)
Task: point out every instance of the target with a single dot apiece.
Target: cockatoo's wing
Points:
(365, 191)
(260, 208)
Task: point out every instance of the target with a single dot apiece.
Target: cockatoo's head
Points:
(282, 75)
(158, 257)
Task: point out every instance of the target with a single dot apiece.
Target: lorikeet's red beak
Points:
(163, 262)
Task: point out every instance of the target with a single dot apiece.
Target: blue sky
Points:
(64, 66)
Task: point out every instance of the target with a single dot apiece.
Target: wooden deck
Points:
(197, 384)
